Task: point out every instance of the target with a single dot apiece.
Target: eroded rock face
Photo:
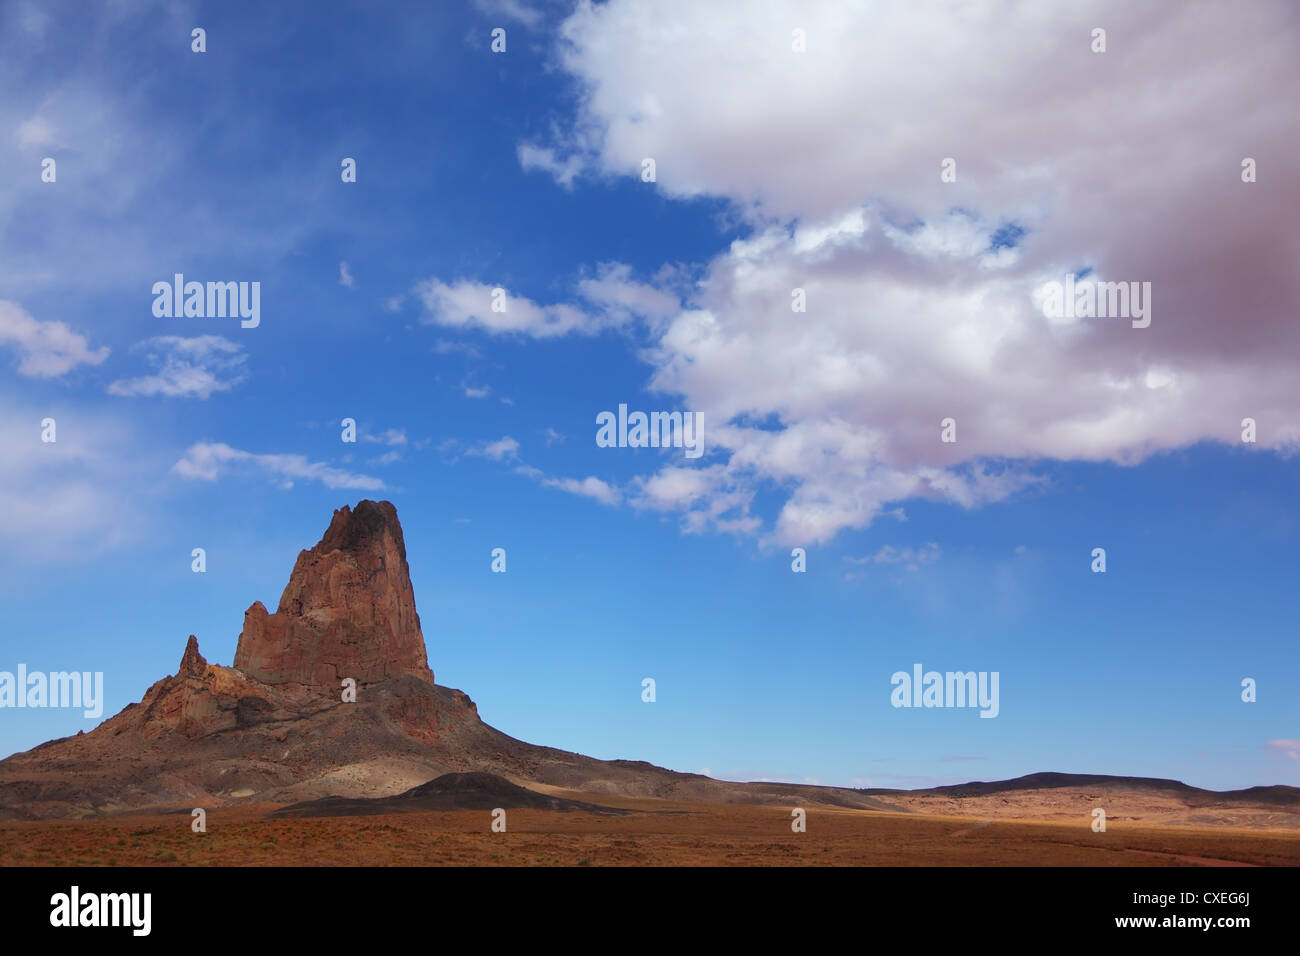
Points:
(199, 699)
(348, 611)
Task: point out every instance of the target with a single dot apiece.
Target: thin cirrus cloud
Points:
(543, 158)
(909, 557)
(194, 367)
(923, 298)
(208, 461)
(46, 349)
(72, 499)
(506, 449)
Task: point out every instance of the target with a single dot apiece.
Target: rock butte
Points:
(273, 728)
(348, 611)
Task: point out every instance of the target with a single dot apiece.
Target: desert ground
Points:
(656, 833)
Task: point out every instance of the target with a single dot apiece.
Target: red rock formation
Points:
(274, 727)
(193, 663)
(348, 611)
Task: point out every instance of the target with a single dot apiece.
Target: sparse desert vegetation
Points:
(661, 834)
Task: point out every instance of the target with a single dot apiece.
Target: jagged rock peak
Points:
(347, 611)
(192, 662)
(353, 529)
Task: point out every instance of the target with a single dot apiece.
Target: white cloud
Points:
(502, 448)
(910, 558)
(916, 311)
(589, 487)
(208, 461)
(614, 299)
(389, 436)
(466, 304)
(620, 297)
(471, 392)
(524, 13)
(708, 497)
(46, 349)
(35, 133)
(72, 499)
(544, 158)
(345, 276)
(186, 367)
(444, 347)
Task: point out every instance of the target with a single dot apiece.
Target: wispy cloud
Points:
(545, 159)
(516, 10)
(589, 487)
(446, 347)
(910, 558)
(499, 450)
(1286, 747)
(208, 461)
(186, 367)
(389, 436)
(46, 349)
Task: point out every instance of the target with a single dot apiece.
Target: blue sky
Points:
(521, 170)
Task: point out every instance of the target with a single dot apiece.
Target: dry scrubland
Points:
(661, 834)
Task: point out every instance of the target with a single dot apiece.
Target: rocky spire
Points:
(192, 662)
(348, 610)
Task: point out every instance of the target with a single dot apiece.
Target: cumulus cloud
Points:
(45, 349)
(186, 367)
(712, 497)
(208, 461)
(923, 298)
